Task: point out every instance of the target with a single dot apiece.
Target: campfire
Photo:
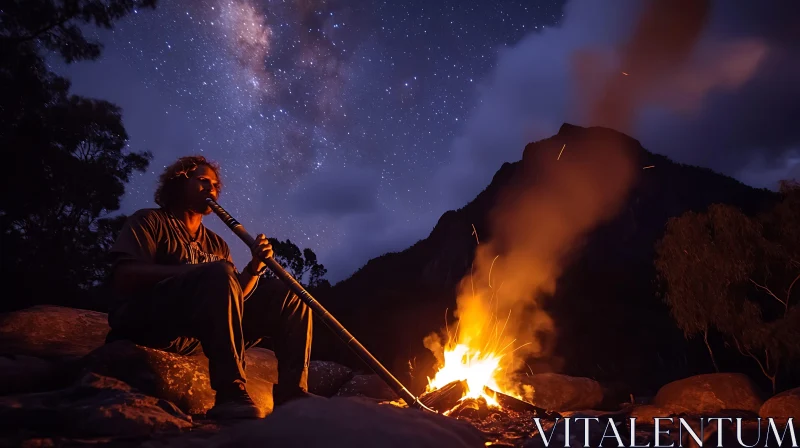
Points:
(539, 221)
(470, 380)
(476, 370)
(472, 383)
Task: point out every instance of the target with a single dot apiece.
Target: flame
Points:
(477, 354)
(461, 362)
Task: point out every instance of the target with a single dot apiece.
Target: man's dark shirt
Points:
(157, 236)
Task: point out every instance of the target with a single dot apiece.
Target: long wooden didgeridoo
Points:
(320, 311)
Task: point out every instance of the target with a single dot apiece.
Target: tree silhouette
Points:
(698, 260)
(55, 25)
(721, 269)
(303, 265)
(68, 159)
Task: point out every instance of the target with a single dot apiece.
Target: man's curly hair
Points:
(170, 184)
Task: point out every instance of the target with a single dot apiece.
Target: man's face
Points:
(202, 184)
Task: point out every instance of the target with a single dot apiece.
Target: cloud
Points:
(371, 235)
(346, 200)
(761, 173)
(713, 85)
(704, 83)
(337, 194)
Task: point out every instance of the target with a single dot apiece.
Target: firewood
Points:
(471, 408)
(444, 398)
(515, 404)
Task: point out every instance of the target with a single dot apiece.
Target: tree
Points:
(695, 260)
(55, 25)
(67, 156)
(777, 284)
(303, 266)
(719, 269)
(781, 224)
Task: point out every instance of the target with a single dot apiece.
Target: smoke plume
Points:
(662, 41)
(563, 191)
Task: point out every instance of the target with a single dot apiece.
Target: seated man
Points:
(177, 290)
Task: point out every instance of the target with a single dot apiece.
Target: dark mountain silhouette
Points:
(612, 325)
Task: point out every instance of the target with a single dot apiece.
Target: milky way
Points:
(368, 95)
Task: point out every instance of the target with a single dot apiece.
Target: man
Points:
(177, 290)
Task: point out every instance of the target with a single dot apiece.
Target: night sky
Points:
(351, 127)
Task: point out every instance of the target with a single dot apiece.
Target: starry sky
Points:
(351, 127)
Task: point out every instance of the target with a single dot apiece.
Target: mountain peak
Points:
(608, 282)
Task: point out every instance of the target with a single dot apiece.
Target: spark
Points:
(447, 327)
(624, 73)
(649, 166)
(475, 232)
(490, 270)
(562, 150)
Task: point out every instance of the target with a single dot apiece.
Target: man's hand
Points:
(260, 250)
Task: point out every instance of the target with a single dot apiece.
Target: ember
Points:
(509, 424)
(455, 399)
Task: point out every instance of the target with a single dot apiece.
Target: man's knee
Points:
(216, 271)
(218, 274)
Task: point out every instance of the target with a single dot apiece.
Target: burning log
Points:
(514, 404)
(446, 397)
(475, 408)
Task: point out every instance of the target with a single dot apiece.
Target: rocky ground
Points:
(61, 385)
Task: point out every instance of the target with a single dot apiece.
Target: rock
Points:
(262, 373)
(325, 378)
(261, 364)
(782, 406)
(341, 422)
(556, 392)
(617, 393)
(22, 374)
(95, 406)
(371, 386)
(183, 380)
(646, 414)
(710, 393)
(52, 332)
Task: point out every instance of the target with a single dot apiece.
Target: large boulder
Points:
(21, 374)
(710, 393)
(44, 347)
(782, 406)
(52, 332)
(556, 392)
(325, 378)
(95, 406)
(369, 386)
(342, 422)
(647, 413)
(183, 380)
